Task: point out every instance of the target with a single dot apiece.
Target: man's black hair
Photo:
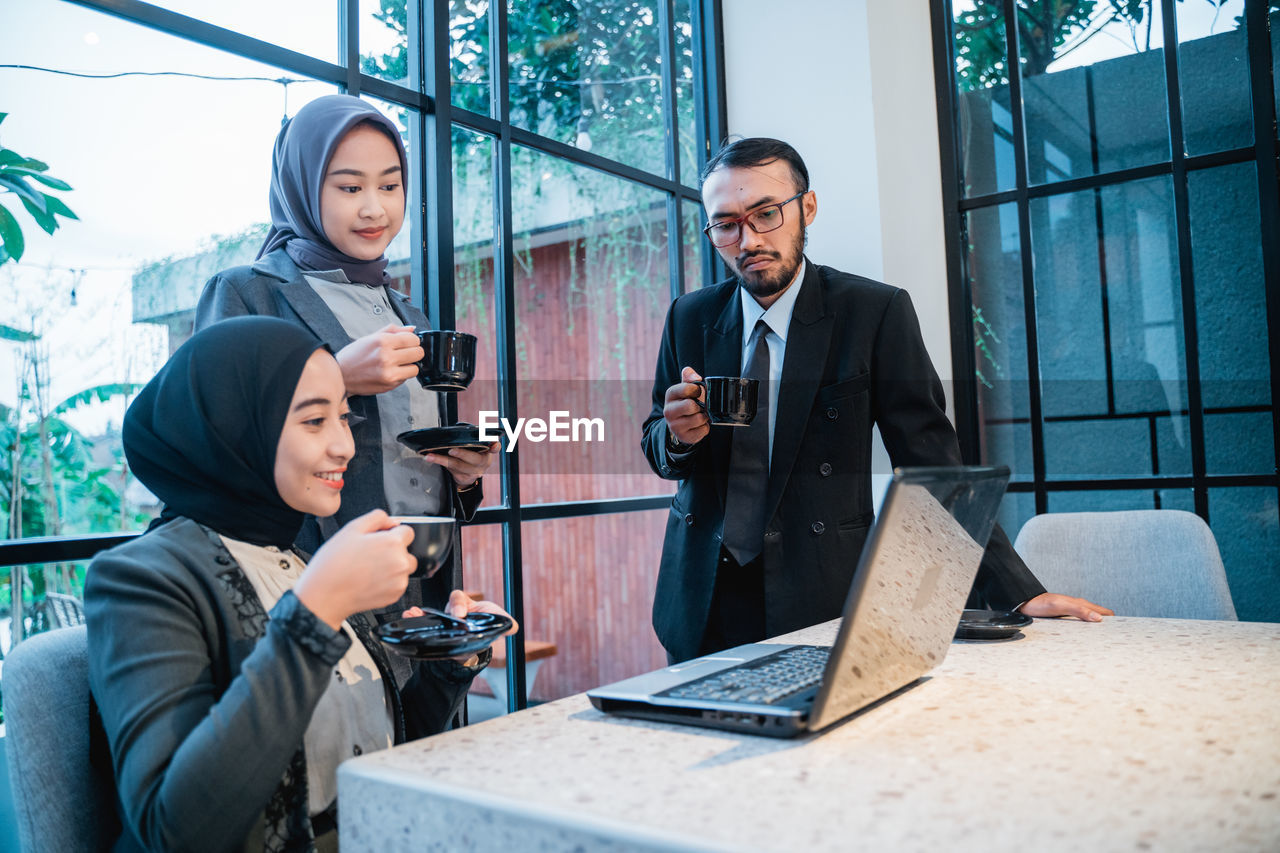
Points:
(757, 151)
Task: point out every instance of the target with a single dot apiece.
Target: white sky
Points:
(158, 164)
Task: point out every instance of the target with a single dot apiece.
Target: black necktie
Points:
(749, 464)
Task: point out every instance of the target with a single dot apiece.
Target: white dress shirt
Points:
(778, 319)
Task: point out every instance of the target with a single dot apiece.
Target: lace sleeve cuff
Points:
(308, 631)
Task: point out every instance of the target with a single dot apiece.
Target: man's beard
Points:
(769, 282)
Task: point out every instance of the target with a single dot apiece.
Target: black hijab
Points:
(202, 434)
(301, 158)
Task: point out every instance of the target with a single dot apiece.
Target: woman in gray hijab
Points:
(337, 199)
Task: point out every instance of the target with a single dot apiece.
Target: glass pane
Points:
(482, 579)
(469, 55)
(476, 306)
(1213, 73)
(52, 597)
(994, 268)
(1109, 332)
(1246, 523)
(1015, 509)
(1183, 499)
(111, 295)
(589, 591)
(592, 283)
(694, 243)
(400, 252)
(983, 117)
(1146, 356)
(1102, 501)
(1231, 319)
(587, 73)
(384, 41)
(686, 126)
(306, 26)
(1068, 306)
(1093, 87)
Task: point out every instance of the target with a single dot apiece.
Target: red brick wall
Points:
(589, 322)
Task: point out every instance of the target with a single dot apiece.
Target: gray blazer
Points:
(205, 700)
(274, 286)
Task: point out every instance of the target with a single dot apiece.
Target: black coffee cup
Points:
(432, 540)
(448, 361)
(730, 400)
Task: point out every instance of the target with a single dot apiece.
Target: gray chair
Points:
(62, 610)
(1158, 562)
(61, 800)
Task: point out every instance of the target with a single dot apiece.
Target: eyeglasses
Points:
(762, 220)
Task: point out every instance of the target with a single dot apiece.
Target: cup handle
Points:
(702, 402)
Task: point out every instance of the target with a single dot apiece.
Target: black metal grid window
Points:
(433, 118)
(1108, 228)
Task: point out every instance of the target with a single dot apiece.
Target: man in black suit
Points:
(768, 521)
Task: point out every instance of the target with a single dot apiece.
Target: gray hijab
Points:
(303, 150)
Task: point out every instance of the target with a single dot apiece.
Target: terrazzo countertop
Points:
(1132, 734)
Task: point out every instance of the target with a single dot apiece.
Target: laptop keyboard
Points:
(766, 681)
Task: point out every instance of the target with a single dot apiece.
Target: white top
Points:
(353, 716)
(413, 485)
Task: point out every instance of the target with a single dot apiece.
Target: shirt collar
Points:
(333, 276)
(778, 317)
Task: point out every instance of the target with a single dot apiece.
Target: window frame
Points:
(431, 120)
(1264, 152)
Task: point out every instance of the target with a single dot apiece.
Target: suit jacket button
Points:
(817, 527)
(772, 536)
(688, 519)
(825, 469)
(833, 413)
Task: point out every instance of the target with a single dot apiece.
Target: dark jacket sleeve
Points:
(195, 769)
(910, 409)
(434, 695)
(218, 301)
(465, 503)
(654, 432)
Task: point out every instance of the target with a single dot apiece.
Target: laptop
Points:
(904, 604)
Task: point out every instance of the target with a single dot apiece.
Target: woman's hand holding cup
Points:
(380, 361)
(364, 566)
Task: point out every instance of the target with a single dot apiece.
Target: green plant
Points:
(1047, 30)
(51, 480)
(16, 176)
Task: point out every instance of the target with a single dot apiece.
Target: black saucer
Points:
(432, 439)
(990, 624)
(437, 636)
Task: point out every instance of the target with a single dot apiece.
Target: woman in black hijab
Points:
(337, 200)
(221, 660)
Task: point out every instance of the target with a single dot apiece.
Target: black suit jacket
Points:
(854, 358)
